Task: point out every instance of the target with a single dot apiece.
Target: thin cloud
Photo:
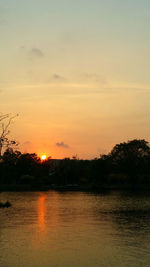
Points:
(36, 53)
(93, 77)
(62, 144)
(27, 143)
(58, 77)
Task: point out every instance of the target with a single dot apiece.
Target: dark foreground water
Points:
(75, 229)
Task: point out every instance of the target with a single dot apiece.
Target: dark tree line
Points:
(128, 164)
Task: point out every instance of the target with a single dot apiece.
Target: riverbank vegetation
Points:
(127, 165)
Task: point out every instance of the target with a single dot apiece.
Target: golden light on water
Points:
(41, 212)
(53, 210)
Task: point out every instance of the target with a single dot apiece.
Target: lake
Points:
(75, 229)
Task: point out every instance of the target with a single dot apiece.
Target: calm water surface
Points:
(75, 229)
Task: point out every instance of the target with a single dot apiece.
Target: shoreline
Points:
(27, 188)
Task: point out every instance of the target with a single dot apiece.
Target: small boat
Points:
(6, 204)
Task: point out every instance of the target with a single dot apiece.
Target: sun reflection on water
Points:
(41, 212)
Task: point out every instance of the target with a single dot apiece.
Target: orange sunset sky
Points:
(76, 72)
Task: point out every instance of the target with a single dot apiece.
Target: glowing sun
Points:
(43, 157)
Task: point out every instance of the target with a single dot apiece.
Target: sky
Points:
(76, 72)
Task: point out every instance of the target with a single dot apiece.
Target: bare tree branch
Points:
(6, 119)
(2, 117)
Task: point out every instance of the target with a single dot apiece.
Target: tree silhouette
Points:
(134, 148)
(5, 122)
(131, 156)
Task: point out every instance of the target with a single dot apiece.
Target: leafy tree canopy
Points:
(137, 148)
